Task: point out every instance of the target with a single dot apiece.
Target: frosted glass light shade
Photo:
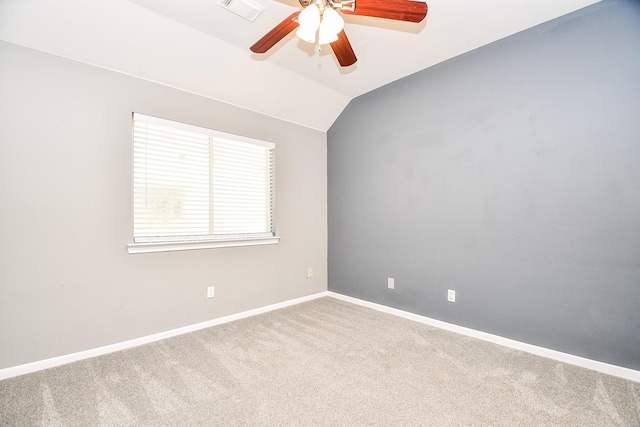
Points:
(331, 25)
(309, 21)
(308, 36)
(325, 36)
(332, 20)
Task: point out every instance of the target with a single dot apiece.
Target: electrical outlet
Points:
(309, 272)
(451, 295)
(211, 292)
(391, 283)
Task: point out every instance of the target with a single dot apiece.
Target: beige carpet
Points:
(321, 363)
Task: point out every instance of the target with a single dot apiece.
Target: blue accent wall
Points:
(510, 174)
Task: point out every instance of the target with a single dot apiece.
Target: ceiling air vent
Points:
(245, 8)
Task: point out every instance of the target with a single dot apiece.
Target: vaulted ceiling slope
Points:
(198, 46)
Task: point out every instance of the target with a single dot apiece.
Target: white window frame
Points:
(149, 244)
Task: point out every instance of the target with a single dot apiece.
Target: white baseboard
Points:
(74, 357)
(605, 368)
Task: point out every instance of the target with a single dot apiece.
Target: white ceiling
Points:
(198, 46)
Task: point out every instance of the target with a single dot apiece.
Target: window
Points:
(199, 188)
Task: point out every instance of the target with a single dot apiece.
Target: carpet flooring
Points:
(321, 363)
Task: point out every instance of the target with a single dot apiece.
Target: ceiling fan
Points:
(320, 16)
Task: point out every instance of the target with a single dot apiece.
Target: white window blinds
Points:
(194, 184)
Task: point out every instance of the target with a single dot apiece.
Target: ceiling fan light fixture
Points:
(309, 21)
(332, 20)
(331, 25)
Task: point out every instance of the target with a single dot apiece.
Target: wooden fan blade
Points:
(278, 32)
(343, 50)
(400, 10)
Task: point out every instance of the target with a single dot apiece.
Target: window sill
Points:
(143, 248)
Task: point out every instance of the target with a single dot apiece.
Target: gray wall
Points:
(510, 174)
(67, 282)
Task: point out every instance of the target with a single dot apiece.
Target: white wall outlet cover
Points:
(391, 283)
(451, 295)
(211, 292)
(309, 272)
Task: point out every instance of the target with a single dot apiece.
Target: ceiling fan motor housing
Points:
(347, 5)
